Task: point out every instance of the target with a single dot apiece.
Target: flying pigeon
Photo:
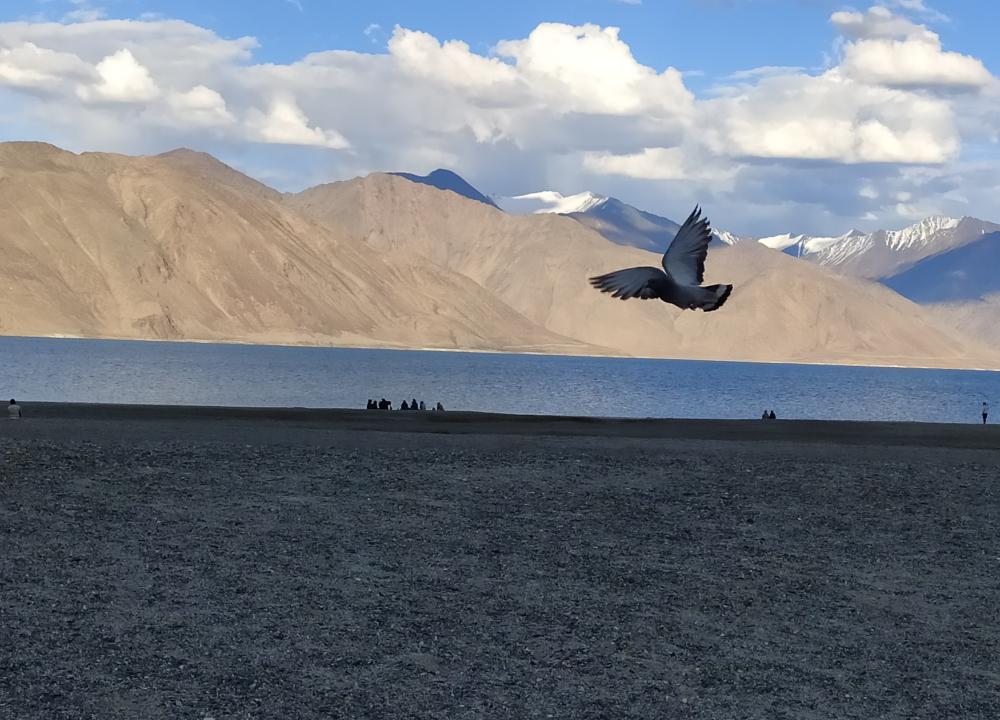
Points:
(683, 272)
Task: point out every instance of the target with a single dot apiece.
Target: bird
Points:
(679, 283)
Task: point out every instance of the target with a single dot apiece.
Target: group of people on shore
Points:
(768, 415)
(384, 404)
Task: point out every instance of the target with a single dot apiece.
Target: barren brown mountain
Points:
(182, 246)
(781, 310)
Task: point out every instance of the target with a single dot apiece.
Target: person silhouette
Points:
(986, 411)
(404, 406)
(422, 406)
(413, 404)
(440, 407)
(13, 410)
(772, 416)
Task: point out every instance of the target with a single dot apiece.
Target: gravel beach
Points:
(225, 563)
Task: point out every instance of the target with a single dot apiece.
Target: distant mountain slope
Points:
(876, 255)
(781, 310)
(973, 318)
(617, 221)
(181, 246)
(884, 253)
(447, 180)
(968, 272)
(626, 225)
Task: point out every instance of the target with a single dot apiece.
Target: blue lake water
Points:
(201, 374)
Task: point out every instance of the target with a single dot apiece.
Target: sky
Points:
(775, 115)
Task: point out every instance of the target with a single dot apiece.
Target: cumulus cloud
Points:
(912, 63)
(801, 117)
(285, 123)
(590, 69)
(28, 66)
(566, 106)
(121, 78)
(889, 49)
(200, 106)
(450, 63)
(881, 23)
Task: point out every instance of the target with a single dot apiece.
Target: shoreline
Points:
(290, 424)
(484, 351)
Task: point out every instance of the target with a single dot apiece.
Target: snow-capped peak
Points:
(551, 201)
(921, 233)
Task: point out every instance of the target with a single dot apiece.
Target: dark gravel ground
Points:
(316, 572)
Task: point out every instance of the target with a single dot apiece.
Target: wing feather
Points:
(636, 282)
(684, 260)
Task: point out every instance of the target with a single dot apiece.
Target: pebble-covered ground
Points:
(391, 575)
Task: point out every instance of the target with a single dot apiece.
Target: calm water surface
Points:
(199, 374)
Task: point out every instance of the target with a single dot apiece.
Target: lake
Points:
(121, 371)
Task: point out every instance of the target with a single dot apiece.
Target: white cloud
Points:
(879, 22)
(286, 124)
(450, 63)
(833, 119)
(200, 106)
(29, 66)
(590, 69)
(657, 164)
(121, 79)
(912, 63)
(373, 31)
(921, 8)
(889, 49)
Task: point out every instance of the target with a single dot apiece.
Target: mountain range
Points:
(181, 246)
(937, 259)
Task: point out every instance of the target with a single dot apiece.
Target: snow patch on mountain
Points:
(550, 201)
(921, 233)
(726, 237)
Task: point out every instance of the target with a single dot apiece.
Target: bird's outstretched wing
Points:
(640, 282)
(684, 260)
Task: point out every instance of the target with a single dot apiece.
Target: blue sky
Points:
(877, 116)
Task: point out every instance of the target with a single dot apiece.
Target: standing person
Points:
(986, 411)
(13, 410)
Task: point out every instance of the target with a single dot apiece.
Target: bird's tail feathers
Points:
(720, 293)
